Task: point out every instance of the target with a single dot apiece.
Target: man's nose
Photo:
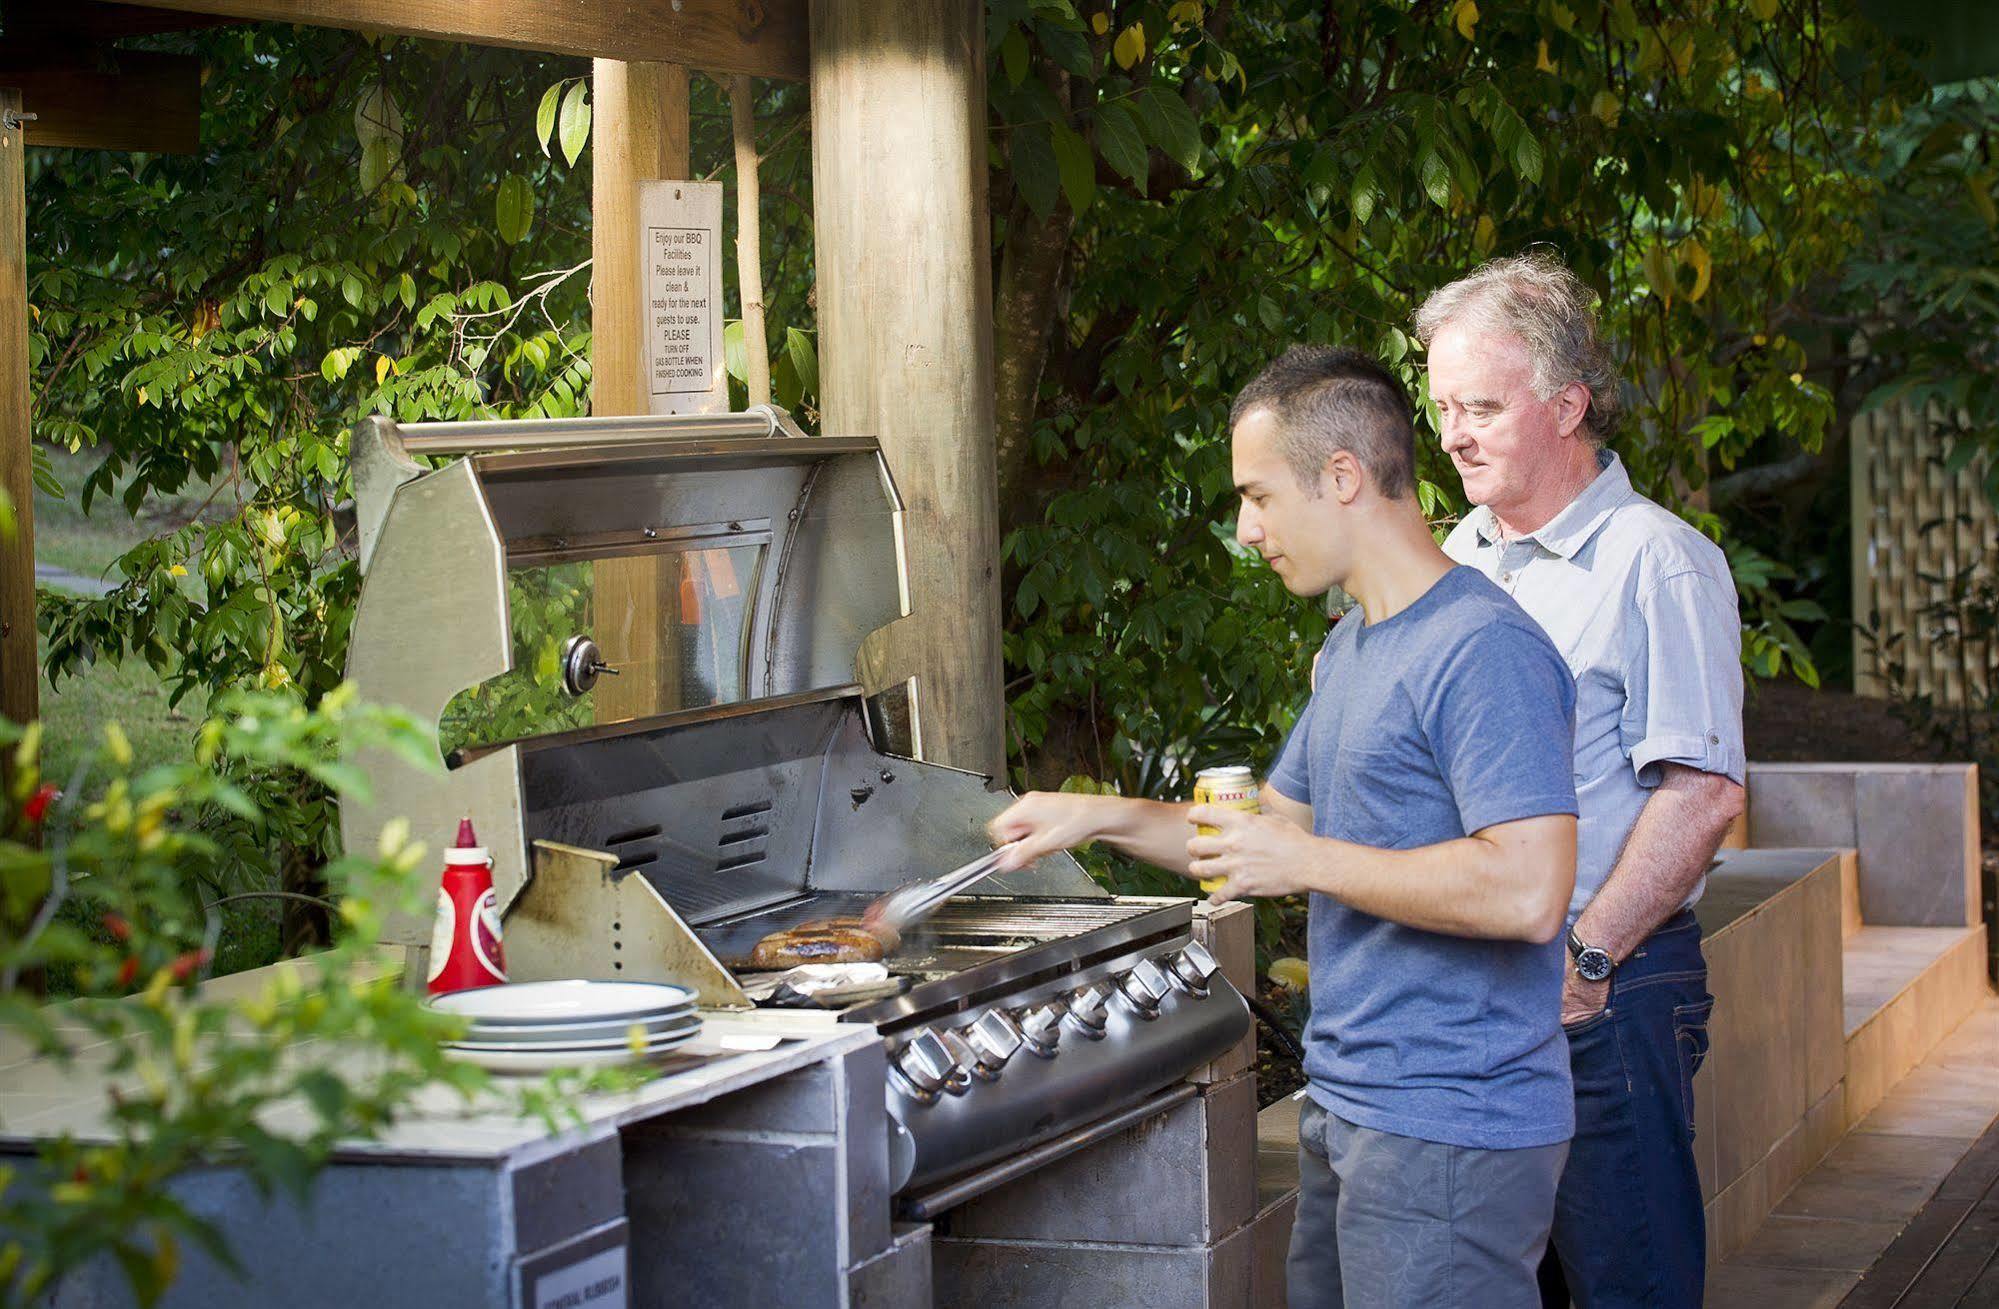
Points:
(1452, 430)
(1247, 529)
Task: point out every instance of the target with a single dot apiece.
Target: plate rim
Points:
(684, 997)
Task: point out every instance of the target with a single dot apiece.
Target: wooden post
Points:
(639, 112)
(640, 117)
(905, 331)
(749, 246)
(18, 678)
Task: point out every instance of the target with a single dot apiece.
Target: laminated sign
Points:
(680, 258)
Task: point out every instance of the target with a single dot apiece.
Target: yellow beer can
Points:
(1235, 787)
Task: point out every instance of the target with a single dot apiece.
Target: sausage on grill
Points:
(822, 941)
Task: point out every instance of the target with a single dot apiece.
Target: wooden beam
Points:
(762, 37)
(640, 120)
(148, 101)
(905, 333)
(18, 666)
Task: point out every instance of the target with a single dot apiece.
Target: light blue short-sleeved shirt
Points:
(1642, 607)
(1446, 718)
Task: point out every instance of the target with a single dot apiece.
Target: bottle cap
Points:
(467, 856)
(465, 841)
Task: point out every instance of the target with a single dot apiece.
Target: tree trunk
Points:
(1024, 311)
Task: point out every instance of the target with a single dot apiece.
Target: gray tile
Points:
(1793, 806)
(1917, 855)
(1749, 1286)
(1789, 1241)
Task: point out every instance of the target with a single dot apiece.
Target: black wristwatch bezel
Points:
(1593, 963)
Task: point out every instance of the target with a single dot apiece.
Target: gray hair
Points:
(1536, 298)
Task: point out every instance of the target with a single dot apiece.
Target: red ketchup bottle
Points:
(465, 941)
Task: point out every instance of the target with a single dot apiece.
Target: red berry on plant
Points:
(114, 923)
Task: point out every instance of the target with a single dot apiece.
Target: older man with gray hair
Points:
(1643, 609)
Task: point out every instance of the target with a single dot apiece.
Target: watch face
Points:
(1593, 964)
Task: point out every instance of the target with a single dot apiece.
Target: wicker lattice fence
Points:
(1924, 540)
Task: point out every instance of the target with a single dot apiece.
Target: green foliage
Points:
(1927, 293)
(103, 889)
(1264, 174)
(198, 1074)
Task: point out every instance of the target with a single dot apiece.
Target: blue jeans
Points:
(1628, 1224)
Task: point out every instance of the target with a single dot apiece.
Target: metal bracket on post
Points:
(14, 120)
(577, 916)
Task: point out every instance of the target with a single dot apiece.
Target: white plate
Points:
(548, 1058)
(563, 1002)
(574, 1033)
(655, 1040)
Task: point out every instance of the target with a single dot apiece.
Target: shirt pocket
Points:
(1367, 784)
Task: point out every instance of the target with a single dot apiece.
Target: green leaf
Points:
(1013, 56)
(734, 359)
(544, 115)
(1070, 51)
(1171, 125)
(1436, 177)
(378, 161)
(1035, 173)
(514, 208)
(1078, 167)
(574, 128)
(1121, 142)
(804, 359)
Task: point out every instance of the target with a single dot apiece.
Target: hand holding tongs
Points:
(914, 901)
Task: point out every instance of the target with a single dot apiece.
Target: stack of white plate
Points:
(532, 1027)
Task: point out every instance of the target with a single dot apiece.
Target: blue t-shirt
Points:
(1451, 716)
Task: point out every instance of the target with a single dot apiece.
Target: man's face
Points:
(1503, 439)
(1297, 534)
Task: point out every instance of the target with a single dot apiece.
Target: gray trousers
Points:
(1391, 1221)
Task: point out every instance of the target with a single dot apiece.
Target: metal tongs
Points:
(912, 902)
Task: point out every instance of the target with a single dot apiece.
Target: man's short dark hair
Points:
(1327, 399)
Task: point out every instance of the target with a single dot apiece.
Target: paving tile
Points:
(1876, 1177)
(1836, 1244)
(1749, 1286)
(1934, 1113)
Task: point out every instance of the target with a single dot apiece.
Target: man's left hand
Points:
(1258, 854)
(1581, 1000)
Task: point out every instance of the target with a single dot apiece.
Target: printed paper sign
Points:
(680, 258)
(595, 1282)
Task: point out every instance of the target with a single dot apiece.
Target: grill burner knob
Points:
(1088, 1007)
(1194, 966)
(582, 662)
(1041, 1027)
(926, 1064)
(994, 1038)
(965, 1059)
(1146, 986)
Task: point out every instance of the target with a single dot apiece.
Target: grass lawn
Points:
(76, 709)
(86, 544)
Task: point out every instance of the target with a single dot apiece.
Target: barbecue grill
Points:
(640, 639)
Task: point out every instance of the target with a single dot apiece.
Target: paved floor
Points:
(1847, 1212)
(1948, 1255)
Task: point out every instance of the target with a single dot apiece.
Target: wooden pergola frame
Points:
(899, 168)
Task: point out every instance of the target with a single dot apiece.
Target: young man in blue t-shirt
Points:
(1424, 801)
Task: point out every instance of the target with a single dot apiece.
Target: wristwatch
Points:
(1593, 963)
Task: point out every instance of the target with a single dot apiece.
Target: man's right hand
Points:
(1042, 822)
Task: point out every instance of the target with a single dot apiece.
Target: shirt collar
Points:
(1570, 530)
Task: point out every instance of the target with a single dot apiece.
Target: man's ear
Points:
(1571, 407)
(1343, 476)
